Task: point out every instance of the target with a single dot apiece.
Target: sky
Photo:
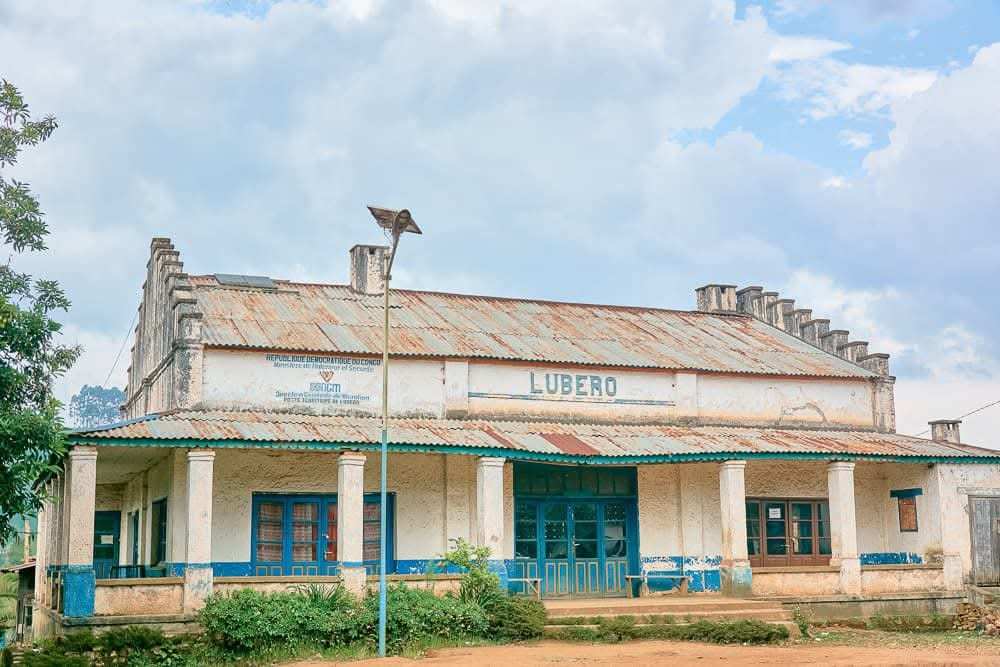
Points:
(842, 153)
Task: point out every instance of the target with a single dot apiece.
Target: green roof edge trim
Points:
(522, 455)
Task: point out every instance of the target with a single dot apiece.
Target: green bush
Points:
(933, 623)
(415, 615)
(479, 585)
(130, 639)
(54, 659)
(719, 632)
(247, 620)
(619, 628)
(516, 619)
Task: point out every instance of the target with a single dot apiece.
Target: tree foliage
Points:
(31, 440)
(95, 406)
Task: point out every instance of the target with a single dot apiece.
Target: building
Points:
(744, 447)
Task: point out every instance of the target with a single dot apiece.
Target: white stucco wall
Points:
(432, 505)
(956, 531)
(679, 511)
(331, 384)
(723, 398)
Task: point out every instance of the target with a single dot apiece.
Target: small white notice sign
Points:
(107, 539)
(773, 512)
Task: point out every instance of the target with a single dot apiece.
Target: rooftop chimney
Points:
(946, 430)
(716, 298)
(367, 266)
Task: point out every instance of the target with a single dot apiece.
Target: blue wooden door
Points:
(586, 543)
(107, 526)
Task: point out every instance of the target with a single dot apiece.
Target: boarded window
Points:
(906, 502)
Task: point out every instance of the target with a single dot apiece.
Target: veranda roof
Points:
(542, 441)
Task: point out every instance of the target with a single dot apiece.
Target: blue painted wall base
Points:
(891, 558)
(703, 573)
(78, 591)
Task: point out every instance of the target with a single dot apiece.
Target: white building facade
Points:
(744, 447)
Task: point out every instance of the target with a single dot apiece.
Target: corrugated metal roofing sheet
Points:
(333, 318)
(545, 438)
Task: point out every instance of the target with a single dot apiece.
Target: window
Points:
(297, 535)
(526, 530)
(782, 531)
(534, 479)
(158, 516)
(906, 503)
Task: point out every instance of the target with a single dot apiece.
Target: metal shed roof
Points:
(581, 443)
(334, 318)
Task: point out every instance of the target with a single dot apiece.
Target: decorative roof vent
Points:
(236, 280)
(782, 314)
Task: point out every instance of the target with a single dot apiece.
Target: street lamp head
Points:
(393, 220)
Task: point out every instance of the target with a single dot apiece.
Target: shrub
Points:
(479, 585)
(933, 623)
(133, 638)
(733, 632)
(617, 629)
(247, 620)
(414, 615)
(516, 619)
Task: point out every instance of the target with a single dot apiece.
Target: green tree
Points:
(31, 433)
(95, 406)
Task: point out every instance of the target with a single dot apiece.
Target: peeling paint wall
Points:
(138, 599)
(424, 496)
(878, 580)
(956, 534)
(767, 584)
(331, 384)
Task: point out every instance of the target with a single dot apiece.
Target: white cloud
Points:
(828, 87)
(861, 311)
(787, 49)
(97, 360)
(855, 140)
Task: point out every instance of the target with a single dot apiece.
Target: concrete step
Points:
(708, 615)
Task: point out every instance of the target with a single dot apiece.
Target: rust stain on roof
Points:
(570, 444)
(335, 319)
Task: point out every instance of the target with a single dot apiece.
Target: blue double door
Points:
(578, 547)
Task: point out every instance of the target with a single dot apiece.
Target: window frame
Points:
(762, 558)
(322, 566)
(908, 495)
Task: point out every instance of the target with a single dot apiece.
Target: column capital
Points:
(201, 455)
(83, 452)
(847, 466)
(733, 464)
(497, 461)
(351, 459)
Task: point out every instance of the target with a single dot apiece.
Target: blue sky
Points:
(844, 153)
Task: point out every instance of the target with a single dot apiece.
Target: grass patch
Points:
(933, 623)
(624, 628)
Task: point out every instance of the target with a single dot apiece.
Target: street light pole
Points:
(395, 222)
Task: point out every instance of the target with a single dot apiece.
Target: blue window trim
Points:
(906, 493)
(320, 567)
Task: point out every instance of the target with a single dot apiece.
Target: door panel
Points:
(556, 556)
(586, 562)
(107, 526)
(985, 515)
(615, 548)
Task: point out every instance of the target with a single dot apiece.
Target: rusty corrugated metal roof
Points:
(557, 441)
(335, 319)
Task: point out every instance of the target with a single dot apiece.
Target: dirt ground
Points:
(684, 653)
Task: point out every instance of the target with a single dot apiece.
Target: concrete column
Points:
(489, 511)
(843, 526)
(350, 520)
(78, 577)
(734, 571)
(198, 550)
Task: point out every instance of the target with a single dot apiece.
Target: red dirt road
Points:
(683, 653)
